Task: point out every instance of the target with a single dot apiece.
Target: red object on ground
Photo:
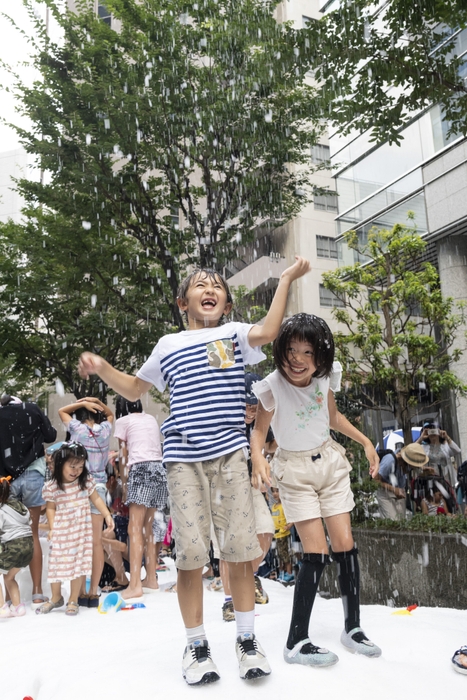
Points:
(28, 697)
(412, 607)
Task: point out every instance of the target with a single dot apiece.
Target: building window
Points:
(329, 299)
(104, 14)
(320, 153)
(305, 21)
(326, 247)
(325, 202)
(174, 215)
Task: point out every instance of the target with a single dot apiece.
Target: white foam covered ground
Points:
(137, 654)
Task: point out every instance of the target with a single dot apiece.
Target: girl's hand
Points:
(261, 475)
(87, 404)
(373, 459)
(109, 521)
(49, 535)
(92, 400)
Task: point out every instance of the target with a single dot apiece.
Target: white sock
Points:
(194, 633)
(245, 622)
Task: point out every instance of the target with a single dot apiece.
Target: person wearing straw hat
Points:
(414, 454)
(392, 477)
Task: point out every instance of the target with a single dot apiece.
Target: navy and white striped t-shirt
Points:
(205, 373)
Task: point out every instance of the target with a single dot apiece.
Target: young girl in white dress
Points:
(68, 499)
(312, 474)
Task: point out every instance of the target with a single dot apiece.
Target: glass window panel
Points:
(326, 247)
(397, 190)
(328, 298)
(325, 202)
(388, 219)
(320, 153)
(104, 14)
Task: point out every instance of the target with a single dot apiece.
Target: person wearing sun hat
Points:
(392, 485)
(415, 455)
(392, 476)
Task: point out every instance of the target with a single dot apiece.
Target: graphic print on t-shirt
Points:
(311, 409)
(221, 353)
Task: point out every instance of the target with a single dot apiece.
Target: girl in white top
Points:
(312, 474)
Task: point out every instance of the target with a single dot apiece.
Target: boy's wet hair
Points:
(70, 451)
(306, 328)
(123, 407)
(207, 273)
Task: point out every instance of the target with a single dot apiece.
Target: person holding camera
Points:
(439, 448)
(89, 422)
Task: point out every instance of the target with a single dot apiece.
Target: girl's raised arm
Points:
(340, 423)
(261, 475)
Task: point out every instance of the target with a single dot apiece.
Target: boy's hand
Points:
(373, 459)
(89, 363)
(260, 477)
(298, 269)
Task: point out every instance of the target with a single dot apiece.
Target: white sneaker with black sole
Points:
(252, 660)
(357, 642)
(197, 666)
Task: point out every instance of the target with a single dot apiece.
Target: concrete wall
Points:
(406, 568)
(452, 260)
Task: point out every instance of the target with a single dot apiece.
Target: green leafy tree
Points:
(399, 330)
(165, 142)
(91, 293)
(379, 63)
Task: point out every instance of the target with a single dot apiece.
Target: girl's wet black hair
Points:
(123, 407)
(70, 451)
(83, 414)
(307, 329)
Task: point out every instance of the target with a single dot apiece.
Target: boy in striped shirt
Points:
(205, 452)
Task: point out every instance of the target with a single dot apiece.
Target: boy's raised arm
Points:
(128, 386)
(259, 335)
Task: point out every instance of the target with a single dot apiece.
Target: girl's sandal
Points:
(72, 609)
(49, 606)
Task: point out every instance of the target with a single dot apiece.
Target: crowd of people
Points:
(243, 460)
(421, 477)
